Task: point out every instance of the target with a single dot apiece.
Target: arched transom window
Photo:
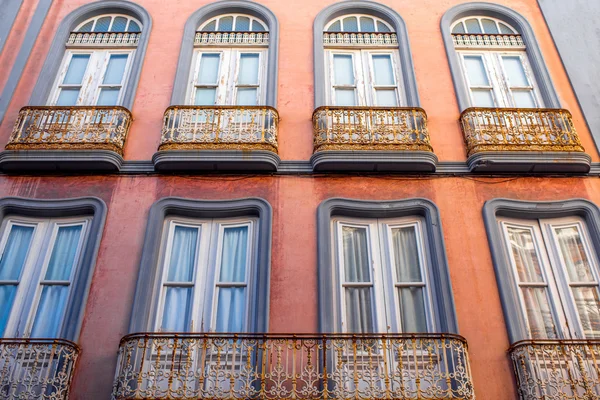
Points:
(97, 62)
(362, 62)
(494, 63)
(229, 66)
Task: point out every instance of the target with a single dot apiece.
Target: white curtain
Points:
(231, 306)
(62, 259)
(50, 311)
(358, 300)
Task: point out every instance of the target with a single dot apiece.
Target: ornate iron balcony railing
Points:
(39, 369)
(557, 369)
(370, 128)
(220, 127)
(275, 366)
(519, 129)
(69, 128)
(103, 39)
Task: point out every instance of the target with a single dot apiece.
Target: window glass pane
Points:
(343, 69)
(406, 255)
(588, 307)
(527, 262)
(345, 97)
(359, 310)
(177, 310)
(258, 27)
(246, 97)
(505, 29)
(356, 254)
(539, 316)
(367, 24)
(386, 98)
(524, 99)
(515, 73)
(7, 296)
(350, 24)
(86, 27)
(209, 68)
(119, 24)
(210, 26)
(133, 27)
(205, 96)
(412, 309)
(233, 258)
(248, 73)
(473, 26)
(62, 259)
(482, 98)
(489, 26)
(76, 69)
(335, 27)
(242, 24)
(476, 71)
(115, 69)
(381, 27)
(108, 97)
(383, 69)
(573, 253)
(226, 24)
(183, 254)
(50, 311)
(458, 28)
(102, 24)
(67, 97)
(15, 252)
(231, 309)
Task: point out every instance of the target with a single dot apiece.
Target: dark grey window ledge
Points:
(511, 305)
(187, 208)
(373, 161)
(443, 300)
(216, 161)
(75, 207)
(53, 161)
(534, 162)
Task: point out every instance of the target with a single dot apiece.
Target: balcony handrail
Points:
(220, 107)
(516, 109)
(549, 342)
(374, 108)
(45, 107)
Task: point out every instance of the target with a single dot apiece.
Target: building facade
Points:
(234, 199)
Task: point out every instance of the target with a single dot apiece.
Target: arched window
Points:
(110, 23)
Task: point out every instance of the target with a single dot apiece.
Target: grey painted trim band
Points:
(75, 207)
(175, 206)
(513, 313)
(372, 8)
(374, 161)
(51, 67)
(8, 14)
(31, 35)
(53, 161)
(211, 10)
(443, 301)
(215, 161)
(534, 162)
(516, 20)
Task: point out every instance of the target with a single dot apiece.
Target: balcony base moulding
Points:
(529, 162)
(373, 161)
(215, 161)
(52, 161)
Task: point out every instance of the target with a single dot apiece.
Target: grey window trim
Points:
(377, 10)
(443, 300)
(188, 208)
(209, 11)
(517, 21)
(8, 15)
(76, 207)
(51, 66)
(492, 209)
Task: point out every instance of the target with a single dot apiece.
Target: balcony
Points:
(67, 138)
(369, 139)
(272, 367)
(557, 369)
(36, 368)
(218, 138)
(522, 140)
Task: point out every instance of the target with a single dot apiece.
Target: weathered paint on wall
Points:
(574, 28)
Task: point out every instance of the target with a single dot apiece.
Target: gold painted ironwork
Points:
(370, 128)
(39, 369)
(190, 366)
(519, 129)
(220, 127)
(69, 128)
(557, 369)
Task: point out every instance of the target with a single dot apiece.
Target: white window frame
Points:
(383, 278)
(561, 300)
(206, 270)
(30, 283)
